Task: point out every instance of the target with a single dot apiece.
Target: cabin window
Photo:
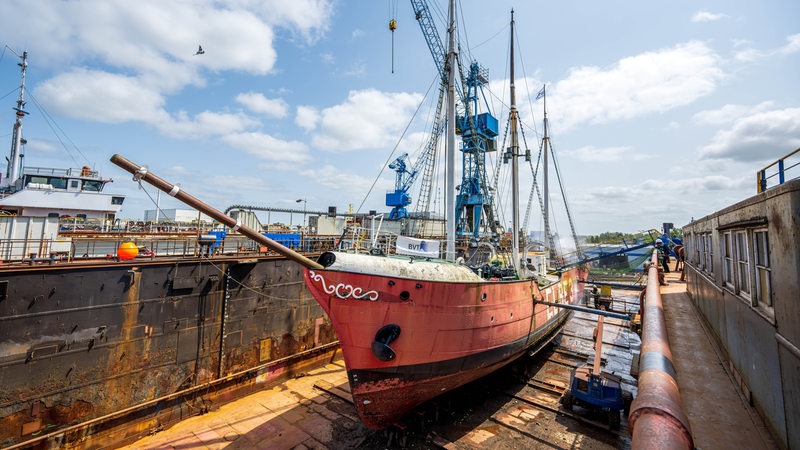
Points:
(697, 240)
(708, 253)
(53, 214)
(58, 183)
(38, 180)
(701, 251)
(763, 292)
(115, 200)
(74, 184)
(94, 186)
(742, 264)
(727, 254)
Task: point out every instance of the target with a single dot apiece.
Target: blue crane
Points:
(400, 198)
(474, 208)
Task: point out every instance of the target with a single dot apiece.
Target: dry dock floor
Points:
(498, 412)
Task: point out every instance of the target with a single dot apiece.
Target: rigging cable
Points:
(396, 145)
(53, 126)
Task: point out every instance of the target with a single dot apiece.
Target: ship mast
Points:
(514, 153)
(546, 207)
(450, 149)
(15, 159)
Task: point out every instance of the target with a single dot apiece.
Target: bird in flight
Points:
(200, 50)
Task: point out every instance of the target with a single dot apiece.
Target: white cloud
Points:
(705, 16)
(267, 147)
(607, 207)
(113, 98)
(307, 117)
(335, 178)
(793, 46)
(309, 19)
(356, 70)
(728, 113)
(595, 154)
(147, 52)
(202, 125)
(749, 54)
(260, 104)
(100, 96)
(636, 86)
(760, 136)
(367, 119)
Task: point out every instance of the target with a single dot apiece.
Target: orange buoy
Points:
(127, 250)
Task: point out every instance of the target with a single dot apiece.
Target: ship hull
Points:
(445, 334)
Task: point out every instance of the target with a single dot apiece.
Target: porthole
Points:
(404, 296)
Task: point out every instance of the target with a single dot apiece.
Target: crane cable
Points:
(392, 25)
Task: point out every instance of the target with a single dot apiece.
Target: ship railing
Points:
(15, 250)
(360, 239)
(91, 247)
(72, 172)
(778, 169)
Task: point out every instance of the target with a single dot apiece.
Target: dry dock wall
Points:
(743, 274)
(80, 342)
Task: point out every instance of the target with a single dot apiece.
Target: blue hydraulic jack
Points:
(596, 390)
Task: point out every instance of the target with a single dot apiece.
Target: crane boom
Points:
(423, 15)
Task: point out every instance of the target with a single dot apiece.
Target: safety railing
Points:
(783, 166)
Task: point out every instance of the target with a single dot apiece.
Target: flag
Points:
(540, 94)
(417, 247)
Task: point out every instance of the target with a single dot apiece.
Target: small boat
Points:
(412, 328)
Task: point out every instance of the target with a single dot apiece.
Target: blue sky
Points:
(658, 112)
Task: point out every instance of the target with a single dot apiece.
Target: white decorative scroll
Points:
(417, 247)
(343, 291)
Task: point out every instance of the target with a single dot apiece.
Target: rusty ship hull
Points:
(407, 339)
(92, 354)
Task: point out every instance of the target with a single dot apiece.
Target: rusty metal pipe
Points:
(657, 418)
(141, 173)
(585, 309)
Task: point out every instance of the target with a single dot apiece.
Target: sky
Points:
(657, 112)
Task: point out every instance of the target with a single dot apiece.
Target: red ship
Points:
(422, 328)
(412, 328)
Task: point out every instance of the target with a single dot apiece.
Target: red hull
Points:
(450, 333)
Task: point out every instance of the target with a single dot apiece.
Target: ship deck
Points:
(516, 407)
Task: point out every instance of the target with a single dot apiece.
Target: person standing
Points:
(663, 255)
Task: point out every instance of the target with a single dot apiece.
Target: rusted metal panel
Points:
(746, 330)
(789, 356)
(84, 344)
